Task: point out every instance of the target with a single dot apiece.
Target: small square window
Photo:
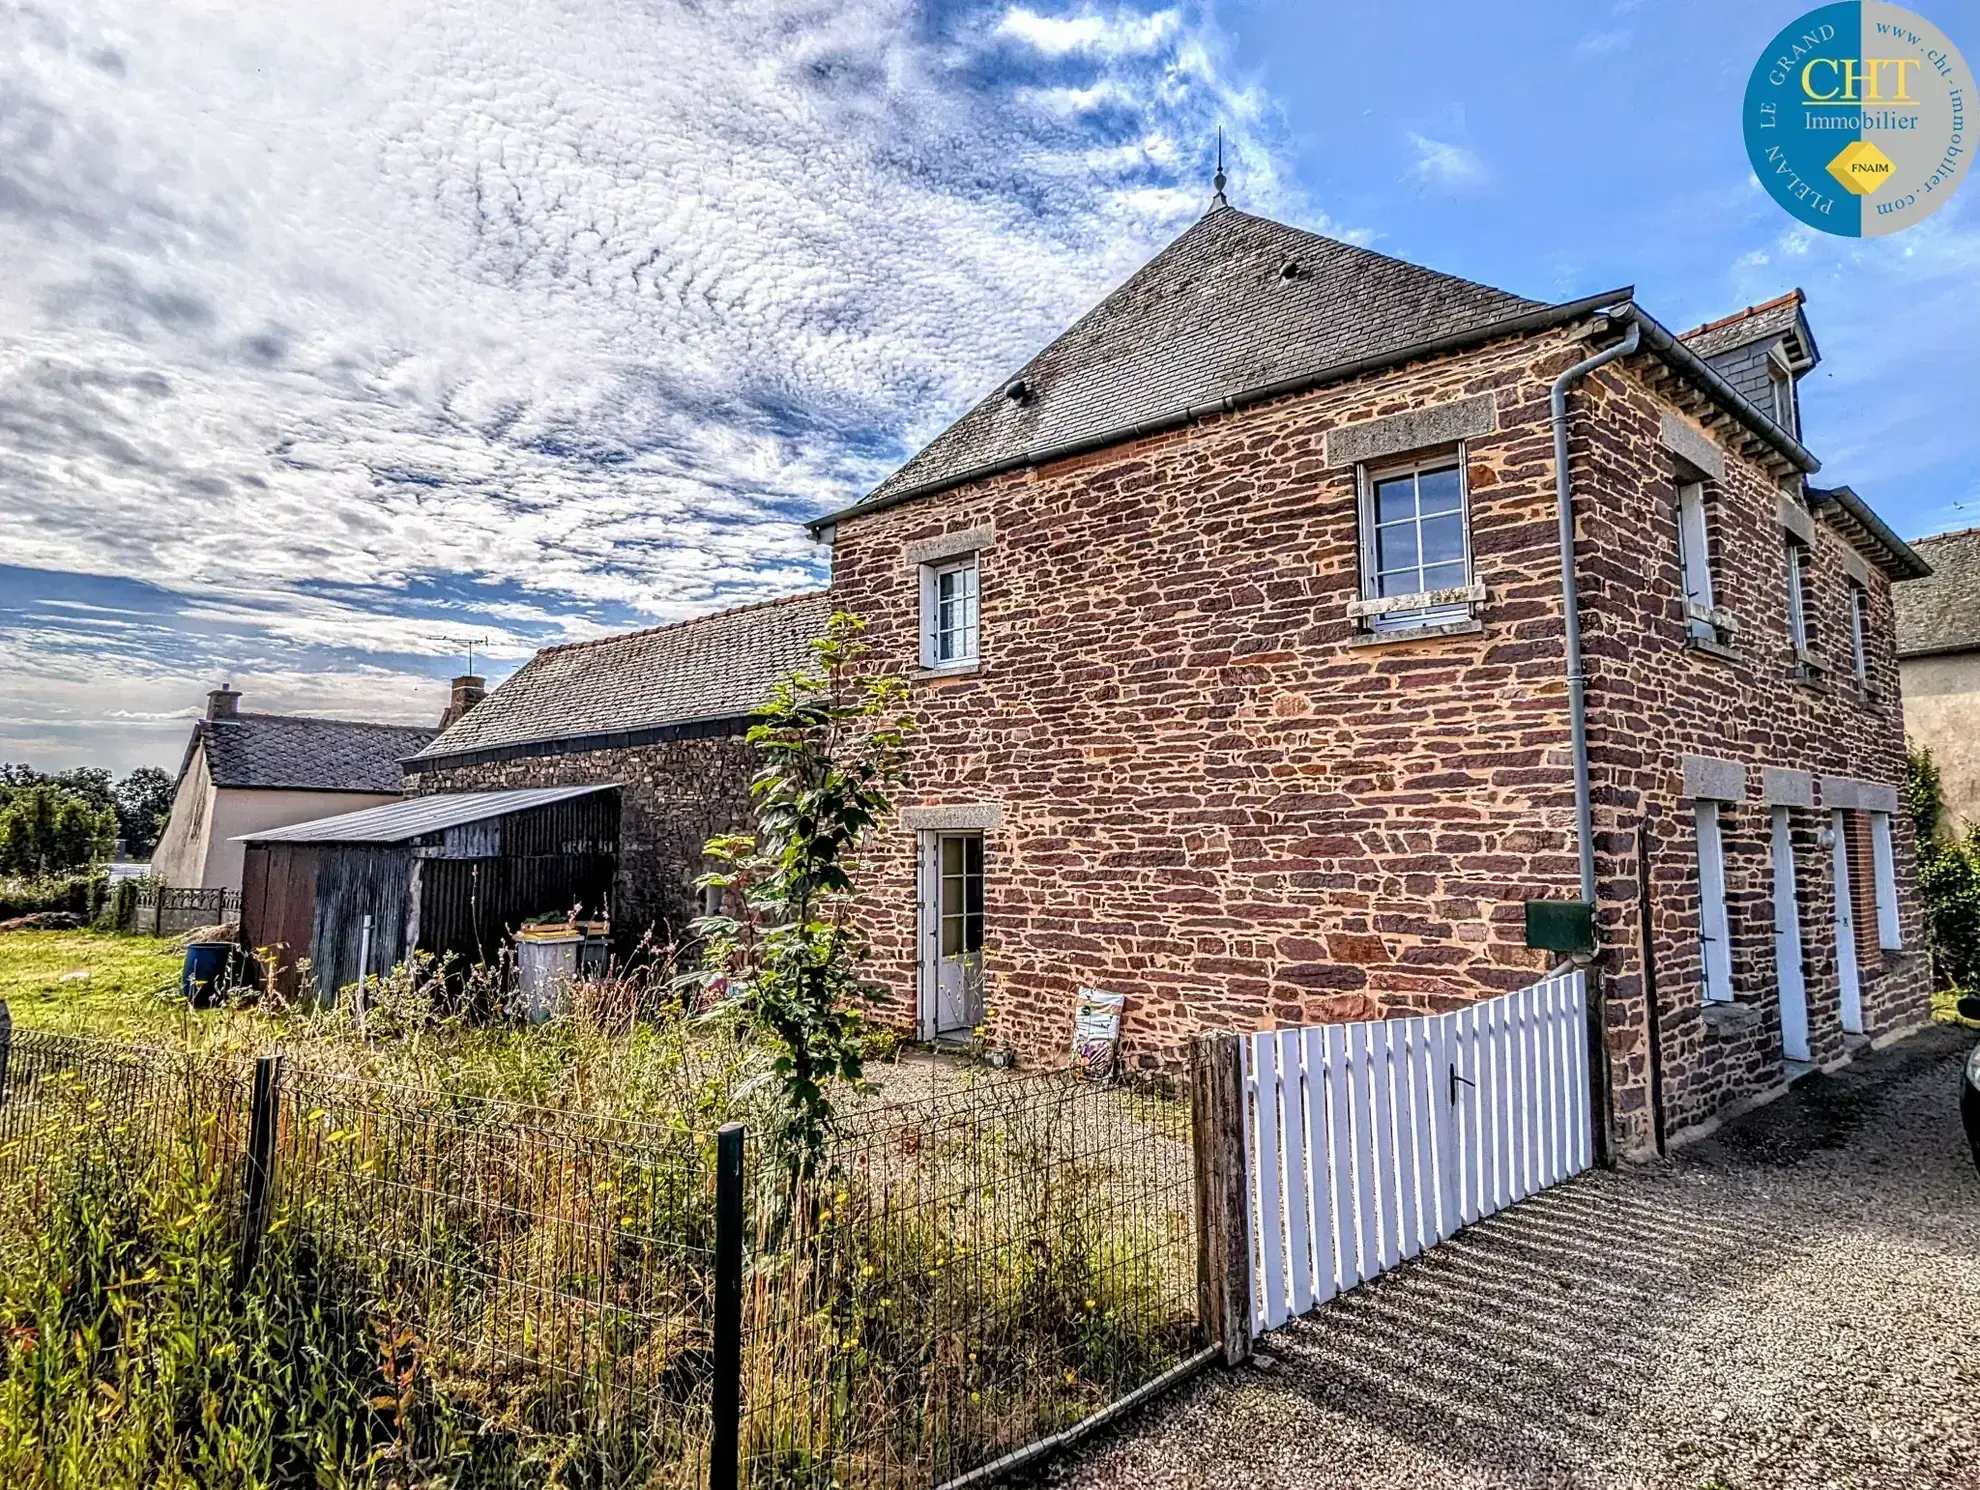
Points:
(949, 617)
(1416, 540)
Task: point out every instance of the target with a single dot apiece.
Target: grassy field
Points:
(91, 982)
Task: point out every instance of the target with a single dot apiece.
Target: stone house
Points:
(661, 714)
(247, 772)
(1938, 627)
(1244, 653)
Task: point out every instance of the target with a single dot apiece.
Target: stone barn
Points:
(661, 714)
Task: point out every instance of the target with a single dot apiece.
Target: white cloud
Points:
(1446, 164)
(311, 306)
(1118, 33)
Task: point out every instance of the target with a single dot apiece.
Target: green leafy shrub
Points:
(78, 894)
(833, 744)
(1948, 878)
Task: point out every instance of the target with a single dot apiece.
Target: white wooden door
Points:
(1852, 992)
(1787, 944)
(952, 934)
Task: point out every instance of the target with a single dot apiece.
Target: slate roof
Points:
(291, 752)
(397, 822)
(1780, 316)
(1210, 315)
(717, 667)
(1942, 612)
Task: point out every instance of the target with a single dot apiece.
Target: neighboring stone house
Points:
(1938, 625)
(243, 773)
(1236, 630)
(659, 713)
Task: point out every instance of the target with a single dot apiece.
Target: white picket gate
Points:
(1366, 1143)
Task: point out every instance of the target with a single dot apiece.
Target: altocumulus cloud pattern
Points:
(332, 335)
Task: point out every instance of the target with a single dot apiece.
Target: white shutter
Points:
(1694, 555)
(1713, 933)
(1885, 872)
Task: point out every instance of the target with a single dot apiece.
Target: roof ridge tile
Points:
(734, 610)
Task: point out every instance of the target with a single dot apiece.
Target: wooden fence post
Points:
(6, 1047)
(263, 1113)
(725, 1446)
(1223, 1251)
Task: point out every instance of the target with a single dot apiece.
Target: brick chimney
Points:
(223, 703)
(468, 691)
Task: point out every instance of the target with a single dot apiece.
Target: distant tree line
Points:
(56, 823)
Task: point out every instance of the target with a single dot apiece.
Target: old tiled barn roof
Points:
(1237, 302)
(1941, 613)
(289, 752)
(714, 668)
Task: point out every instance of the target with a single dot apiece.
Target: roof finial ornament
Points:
(1218, 180)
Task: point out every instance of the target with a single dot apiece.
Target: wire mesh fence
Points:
(499, 1288)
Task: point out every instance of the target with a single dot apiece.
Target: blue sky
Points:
(335, 337)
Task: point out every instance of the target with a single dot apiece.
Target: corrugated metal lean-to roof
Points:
(397, 822)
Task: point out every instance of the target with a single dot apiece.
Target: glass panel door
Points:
(959, 961)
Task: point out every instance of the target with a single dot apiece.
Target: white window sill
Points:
(949, 670)
(1434, 631)
(1710, 648)
(1722, 621)
(1471, 594)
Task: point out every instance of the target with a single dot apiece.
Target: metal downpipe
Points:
(1584, 815)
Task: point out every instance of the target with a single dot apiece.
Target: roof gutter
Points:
(1659, 340)
(1546, 317)
(1903, 555)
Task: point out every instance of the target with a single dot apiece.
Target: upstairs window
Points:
(1416, 544)
(1859, 630)
(1800, 622)
(949, 614)
(1695, 564)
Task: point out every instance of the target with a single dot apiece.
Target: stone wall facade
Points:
(1216, 793)
(1655, 698)
(674, 796)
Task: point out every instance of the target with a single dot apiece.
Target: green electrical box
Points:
(1560, 925)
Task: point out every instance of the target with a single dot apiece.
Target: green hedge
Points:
(79, 894)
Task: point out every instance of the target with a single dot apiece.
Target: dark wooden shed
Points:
(450, 873)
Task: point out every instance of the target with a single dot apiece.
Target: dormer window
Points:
(1780, 381)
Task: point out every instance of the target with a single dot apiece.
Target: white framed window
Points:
(1695, 562)
(1780, 378)
(1800, 630)
(1714, 934)
(1416, 541)
(1859, 629)
(1883, 871)
(949, 614)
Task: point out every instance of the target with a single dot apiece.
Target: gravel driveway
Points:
(1794, 1302)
